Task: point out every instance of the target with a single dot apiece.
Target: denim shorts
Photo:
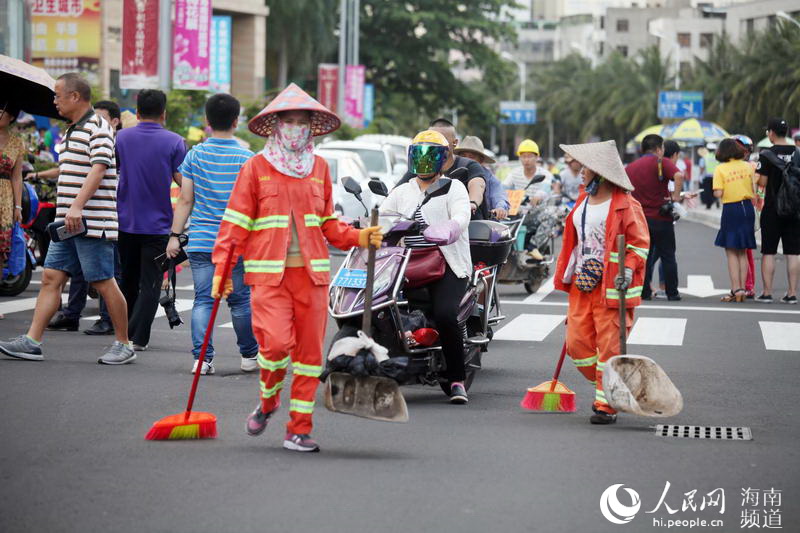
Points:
(90, 255)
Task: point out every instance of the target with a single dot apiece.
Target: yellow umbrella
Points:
(633, 144)
(693, 131)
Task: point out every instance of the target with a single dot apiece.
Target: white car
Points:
(341, 164)
(378, 158)
(398, 143)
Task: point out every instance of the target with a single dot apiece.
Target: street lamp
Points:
(659, 35)
(786, 16)
(522, 74)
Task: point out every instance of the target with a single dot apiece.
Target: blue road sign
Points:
(518, 112)
(680, 104)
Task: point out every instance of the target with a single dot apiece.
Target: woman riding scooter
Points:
(448, 215)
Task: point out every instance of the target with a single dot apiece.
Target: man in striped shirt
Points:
(87, 194)
(209, 172)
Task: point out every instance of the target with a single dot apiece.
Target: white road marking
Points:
(528, 327)
(783, 336)
(546, 288)
(701, 286)
(769, 309)
(658, 331)
(15, 306)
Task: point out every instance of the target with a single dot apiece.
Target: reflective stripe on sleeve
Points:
(632, 292)
(641, 252)
(237, 218)
(312, 220)
(327, 218)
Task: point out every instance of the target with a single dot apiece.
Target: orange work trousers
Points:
(289, 325)
(593, 337)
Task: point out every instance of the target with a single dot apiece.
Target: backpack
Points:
(787, 199)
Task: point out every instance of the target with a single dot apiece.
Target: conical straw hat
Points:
(603, 158)
(293, 98)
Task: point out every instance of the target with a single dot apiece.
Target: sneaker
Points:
(208, 367)
(764, 299)
(458, 394)
(602, 418)
(100, 327)
(118, 354)
(300, 443)
(792, 300)
(675, 298)
(22, 347)
(139, 348)
(660, 295)
(257, 421)
(61, 322)
(249, 364)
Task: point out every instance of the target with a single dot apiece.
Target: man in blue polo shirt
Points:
(209, 172)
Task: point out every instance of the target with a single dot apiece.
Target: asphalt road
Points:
(73, 457)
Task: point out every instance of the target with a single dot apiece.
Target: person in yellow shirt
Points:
(733, 183)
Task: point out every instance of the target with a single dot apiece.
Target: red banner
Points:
(139, 45)
(328, 85)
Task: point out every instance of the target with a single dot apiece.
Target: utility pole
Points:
(342, 56)
(165, 44)
(349, 28)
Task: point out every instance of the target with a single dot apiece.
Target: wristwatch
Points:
(178, 235)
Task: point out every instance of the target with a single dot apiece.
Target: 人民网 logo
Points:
(614, 510)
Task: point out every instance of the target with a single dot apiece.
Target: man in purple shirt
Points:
(149, 157)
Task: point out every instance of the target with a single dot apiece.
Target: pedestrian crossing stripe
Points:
(784, 336)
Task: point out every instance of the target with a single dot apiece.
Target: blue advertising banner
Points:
(680, 104)
(220, 64)
(369, 103)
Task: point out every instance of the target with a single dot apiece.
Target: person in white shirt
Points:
(447, 215)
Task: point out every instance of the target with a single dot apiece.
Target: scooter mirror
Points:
(538, 178)
(378, 187)
(351, 186)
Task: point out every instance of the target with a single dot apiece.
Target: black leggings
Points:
(446, 295)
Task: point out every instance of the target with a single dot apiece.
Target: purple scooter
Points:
(401, 319)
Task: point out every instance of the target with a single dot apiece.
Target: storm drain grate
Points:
(704, 432)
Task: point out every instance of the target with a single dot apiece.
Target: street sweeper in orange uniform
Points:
(588, 266)
(280, 218)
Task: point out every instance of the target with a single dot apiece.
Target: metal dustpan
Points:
(373, 397)
(635, 383)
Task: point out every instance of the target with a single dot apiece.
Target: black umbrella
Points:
(27, 87)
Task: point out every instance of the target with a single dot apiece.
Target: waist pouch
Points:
(590, 275)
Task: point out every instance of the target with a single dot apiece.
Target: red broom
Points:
(194, 425)
(551, 395)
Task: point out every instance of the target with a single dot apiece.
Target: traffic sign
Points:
(518, 112)
(680, 104)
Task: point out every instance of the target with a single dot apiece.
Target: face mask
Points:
(594, 186)
(429, 178)
(294, 136)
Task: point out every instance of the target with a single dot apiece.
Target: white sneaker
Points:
(249, 364)
(208, 368)
(139, 348)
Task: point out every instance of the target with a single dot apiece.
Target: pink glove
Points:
(443, 233)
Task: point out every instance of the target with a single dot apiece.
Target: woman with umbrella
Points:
(12, 151)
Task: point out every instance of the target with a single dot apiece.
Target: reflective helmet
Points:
(528, 146)
(427, 153)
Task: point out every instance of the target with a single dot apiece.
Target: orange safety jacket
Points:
(625, 216)
(257, 219)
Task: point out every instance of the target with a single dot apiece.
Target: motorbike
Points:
(520, 267)
(401, 319)
(36, 215)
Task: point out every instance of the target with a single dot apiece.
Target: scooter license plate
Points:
(351, 278)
